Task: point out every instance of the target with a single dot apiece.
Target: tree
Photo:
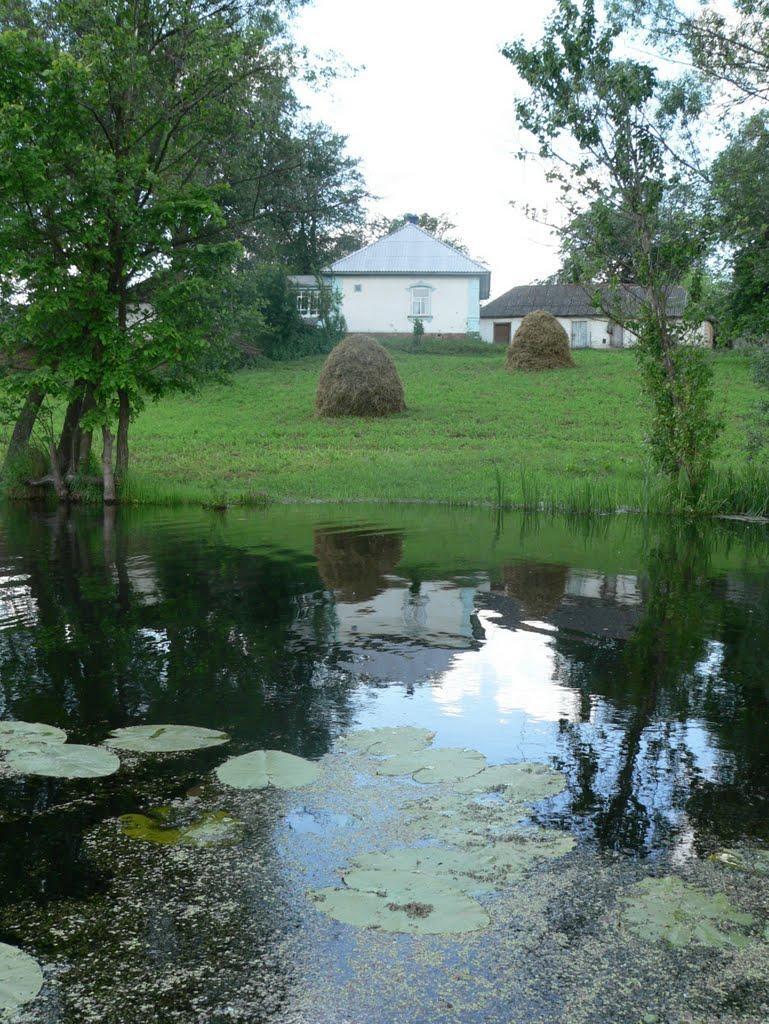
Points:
(124, 203)
(609, 128)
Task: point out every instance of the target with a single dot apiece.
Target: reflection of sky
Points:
(502, 698)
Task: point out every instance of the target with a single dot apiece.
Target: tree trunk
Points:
(65, 452)
(25, 424)
(121, 462)
(59, 485)
(84, 454)
(108, 474)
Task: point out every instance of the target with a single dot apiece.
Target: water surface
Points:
(630, 655)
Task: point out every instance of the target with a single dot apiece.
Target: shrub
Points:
(418, 333)
(359, 379)
(540, 343)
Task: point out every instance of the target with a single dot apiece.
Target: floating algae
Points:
(29, 735)
(64, 761)
(20, 978)
(669, 910)
(217, 828)
(262, 768)
(433, 765)
(165, 739)
(526, 782)
(389, 741)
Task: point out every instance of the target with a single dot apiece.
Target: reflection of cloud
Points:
(515, 669)
(17, 605)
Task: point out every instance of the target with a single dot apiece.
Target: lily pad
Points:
(164, 739)
(64, 761)
(525, 782)
(754, 862)
(20, 977)
(29, 735)
(218, 828)
(441, 764)
(437, 866)
(399, 901)
(262, 768)
(669, 910)
(462, 819)
(388, 741)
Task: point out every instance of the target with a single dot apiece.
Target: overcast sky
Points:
(430, 114)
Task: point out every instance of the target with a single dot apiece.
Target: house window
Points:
(580, 333)
(308, 302)
(420, 301)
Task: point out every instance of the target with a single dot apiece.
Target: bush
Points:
(359, 379)
(540, 343)
(444, 345)
(418, 333)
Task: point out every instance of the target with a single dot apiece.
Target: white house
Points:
(573, 307)
(407, 276)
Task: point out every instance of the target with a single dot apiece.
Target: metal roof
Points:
(409, 250)
(575, 300)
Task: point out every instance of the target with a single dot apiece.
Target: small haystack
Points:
(540, 343)
(359, 379)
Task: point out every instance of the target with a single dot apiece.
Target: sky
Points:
(429, 111)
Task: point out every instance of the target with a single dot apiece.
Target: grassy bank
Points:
(570, 439)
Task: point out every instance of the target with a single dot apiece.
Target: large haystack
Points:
(540, 343)
(359, 379)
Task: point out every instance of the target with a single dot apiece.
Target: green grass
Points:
(567, 439)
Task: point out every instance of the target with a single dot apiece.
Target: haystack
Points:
(540, 343)
(359, 379)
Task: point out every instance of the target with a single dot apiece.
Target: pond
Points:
(616, 876)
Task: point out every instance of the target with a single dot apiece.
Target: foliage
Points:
(418, 333)
(540, 343)
(446, 345)
(145, 146)
(359, 378)
(622, 179)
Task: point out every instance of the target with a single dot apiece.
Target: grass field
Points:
(571, 439)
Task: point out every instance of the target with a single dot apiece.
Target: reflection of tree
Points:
(650, 681)
(353, 563)
(132, 625)
(539, 587)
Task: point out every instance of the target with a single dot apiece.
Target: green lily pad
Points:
(441, 867)
(262, 768)
(64, 761)
(669, 910)
(388, 741)
(20, 978)
(525, 782)
(441, 764)
(217, 828)
(165, 739)
(399, 901)
(462, 819)
(754, 862)
(29, 735)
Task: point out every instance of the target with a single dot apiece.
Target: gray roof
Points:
(303, 280)
(409, 250)
(575, 300)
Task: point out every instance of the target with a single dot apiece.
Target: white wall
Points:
(598, 329)
(383, 304)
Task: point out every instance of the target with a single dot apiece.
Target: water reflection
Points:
(630, 654)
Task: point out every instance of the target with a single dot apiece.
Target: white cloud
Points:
(430, 112)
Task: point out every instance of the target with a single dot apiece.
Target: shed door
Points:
(580, 334)
(615, 337)
(502, 334)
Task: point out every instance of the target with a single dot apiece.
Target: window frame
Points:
(308, 302)
(423, 299)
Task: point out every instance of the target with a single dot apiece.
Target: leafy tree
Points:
(608, 127)
(125, 205)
